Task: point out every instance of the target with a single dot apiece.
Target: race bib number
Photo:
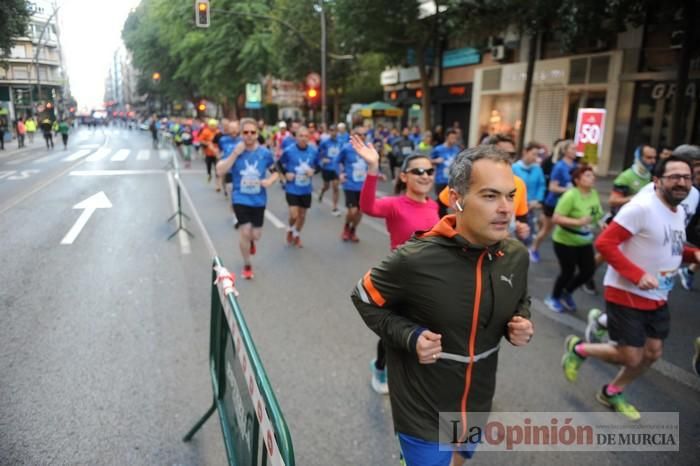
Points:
(302, 179)
(333, 152)
(666, 278)
(359, 174)
(250, 185)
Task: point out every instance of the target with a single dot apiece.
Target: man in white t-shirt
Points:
(644, 246)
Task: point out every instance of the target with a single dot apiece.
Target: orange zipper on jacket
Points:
(472, 344)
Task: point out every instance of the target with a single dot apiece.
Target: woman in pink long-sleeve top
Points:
(409, 211)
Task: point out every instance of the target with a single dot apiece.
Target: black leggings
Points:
(569, 258)
(211, 161)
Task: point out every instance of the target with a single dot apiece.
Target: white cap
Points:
(282, 124)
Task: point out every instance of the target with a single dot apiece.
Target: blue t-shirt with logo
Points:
(354, 167)
(343, 138)
(227, 143)
(288, 141)
(330, 148)
(248, 171)
(562, 174)
(448, 154)
(299, 161)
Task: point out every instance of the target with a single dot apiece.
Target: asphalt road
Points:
(104, 340)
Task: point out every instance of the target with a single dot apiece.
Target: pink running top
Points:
(403, 215)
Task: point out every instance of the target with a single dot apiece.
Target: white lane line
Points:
(121, 155)
(115, 172)
(89, 146)
(77, 155)
(274, 220)
(205, 234)
(662, 366)
(143, 154)
(164, 154)
(99, 154)
(185, 247)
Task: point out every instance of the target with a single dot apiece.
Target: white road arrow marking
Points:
(89, 205)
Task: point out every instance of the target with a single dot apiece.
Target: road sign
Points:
(590, 129)
(313, 80)
(253, 95)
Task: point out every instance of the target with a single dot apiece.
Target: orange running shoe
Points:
(247, 272)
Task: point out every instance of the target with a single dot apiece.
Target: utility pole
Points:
(324, 108)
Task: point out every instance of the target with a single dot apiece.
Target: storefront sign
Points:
(457, 90)
(590, 127)
(253, 95)
(460, 57)
(389, 77)
(409, 74)
(666, 90)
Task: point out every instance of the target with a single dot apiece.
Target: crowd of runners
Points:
(463, 221)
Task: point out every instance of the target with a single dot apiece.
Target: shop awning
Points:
(380, 109)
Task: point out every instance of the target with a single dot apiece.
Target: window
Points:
(599, 69)
(18, 51)
(20, 72)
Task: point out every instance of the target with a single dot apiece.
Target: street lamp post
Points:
(323, 63)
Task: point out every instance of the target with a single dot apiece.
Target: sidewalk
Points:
(12, 149)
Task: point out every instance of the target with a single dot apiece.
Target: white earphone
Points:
(459, 206)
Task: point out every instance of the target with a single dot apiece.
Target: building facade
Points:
(35, 80)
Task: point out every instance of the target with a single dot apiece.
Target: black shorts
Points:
(247, 214)
(548, 210)
(295, 200)
(631, 327)
(228, 178)
(329, 175)
(352, 198)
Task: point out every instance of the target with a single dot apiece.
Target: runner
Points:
(299, 162)
(227, 142)
(597, 327)
(528, 169)
(343, 135)
(425, 301)
(576, 215)
(442, 156)
(249, 162)
(328, 155)
(46, 131)
(211, 150)
(30, 126)
(410, 211)
(559, 182)
(644, 247)
(63, 130)
(353, 171)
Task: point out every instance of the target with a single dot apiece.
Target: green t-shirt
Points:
(63, 128)
(574, 204)
(628, 183)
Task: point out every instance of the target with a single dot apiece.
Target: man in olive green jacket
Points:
(443, 302)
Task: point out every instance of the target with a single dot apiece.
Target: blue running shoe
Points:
(553, 304)
(568, 301)
(534, 256)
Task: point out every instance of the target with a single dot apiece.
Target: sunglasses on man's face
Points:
(250, 132)
(421, 171)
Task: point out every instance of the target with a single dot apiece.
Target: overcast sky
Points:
(91, 31)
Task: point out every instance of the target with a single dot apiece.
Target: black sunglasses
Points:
(250, 132)
(421, 171)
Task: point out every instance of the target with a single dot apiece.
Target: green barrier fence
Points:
(254, 430)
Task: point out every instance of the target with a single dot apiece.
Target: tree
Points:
(394, 27)
(14, 20)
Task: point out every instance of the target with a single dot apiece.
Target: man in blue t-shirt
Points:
(343, 135)
(299, 163)
(227, 142)
(249, 162)
(353, 171)
(442, 157)
(328, 153)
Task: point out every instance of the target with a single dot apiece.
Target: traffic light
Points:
(201, 13)
(156, 76)
(202, 106)
(312, 96)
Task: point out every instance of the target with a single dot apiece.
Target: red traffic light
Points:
(312, 93)
(201, 107)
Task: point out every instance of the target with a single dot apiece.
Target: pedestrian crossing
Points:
(111, 155)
